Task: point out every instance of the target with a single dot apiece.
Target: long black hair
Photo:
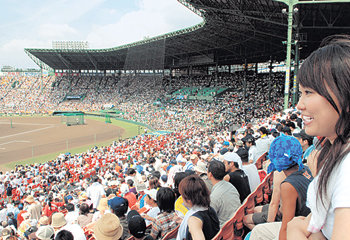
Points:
(328, 70)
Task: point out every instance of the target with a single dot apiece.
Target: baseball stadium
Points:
(200, 133)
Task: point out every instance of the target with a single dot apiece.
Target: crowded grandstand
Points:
(225, 157)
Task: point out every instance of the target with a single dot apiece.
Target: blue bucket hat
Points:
(285, 151)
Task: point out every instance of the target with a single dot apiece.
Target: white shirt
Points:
(95, 192)
(253, 176)
(262, 145)
(338, 196)
(71, 217)
(76, 230)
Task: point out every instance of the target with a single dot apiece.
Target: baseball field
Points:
(35, 139)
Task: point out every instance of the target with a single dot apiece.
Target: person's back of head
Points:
(64, 235)
(119, 206)
(70, 207)
(286, 130)
(131, 171)
(193, 188)
(217, 169)
(263, 130)
(166, 199)
(84, 209)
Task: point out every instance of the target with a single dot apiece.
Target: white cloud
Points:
(56, 31)
(154, 17)
(12, 52)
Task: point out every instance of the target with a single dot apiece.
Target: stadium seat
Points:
(233, 228)
(259, 197)
(172, 234)
(261, 159)
(250, 202)
(262, 175)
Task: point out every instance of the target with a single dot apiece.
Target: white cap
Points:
(152, 193)
(233, 157)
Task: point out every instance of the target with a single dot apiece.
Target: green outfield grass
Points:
(130, 130)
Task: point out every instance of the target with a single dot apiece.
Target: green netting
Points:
(73, 119)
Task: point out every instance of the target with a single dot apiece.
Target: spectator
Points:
(85, 217)
(95, 192)
(12, 220)
(137, 226)
(242, 151)
(151, 201)
(249, 143)
(286, 155)
(201, 170)
(72, 216)
(201, 221)
(34, 207)
(119, 206)
(325, 77)
(306, 142)
(59, 223)
(236, 176)
(252, 172)
(64, 235)
(263, 143)
(165, 221)
(108, 227)
(45, 233)
(224, 198)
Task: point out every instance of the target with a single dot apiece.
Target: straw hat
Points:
(44, 220)
(201, 167)
(58, 220)
(29, 199)
(108, 227)
(103, 205)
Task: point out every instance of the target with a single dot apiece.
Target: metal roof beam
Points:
(64, 61)
(91, 60)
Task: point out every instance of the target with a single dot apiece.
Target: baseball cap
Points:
(152, 193)
(136, 224)
(303, 135)
(117, 202)
(233, 157)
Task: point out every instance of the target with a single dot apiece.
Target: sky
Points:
(103, 23)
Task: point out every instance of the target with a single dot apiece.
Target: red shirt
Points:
(54, 208)
(20, 218)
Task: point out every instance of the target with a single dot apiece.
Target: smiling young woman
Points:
(324, 80)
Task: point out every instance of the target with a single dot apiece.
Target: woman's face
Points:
(318, 114)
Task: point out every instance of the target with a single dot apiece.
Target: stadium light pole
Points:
(291, 4)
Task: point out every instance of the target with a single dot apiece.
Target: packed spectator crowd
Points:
(89, 194)
(135, 97)
(143, 187)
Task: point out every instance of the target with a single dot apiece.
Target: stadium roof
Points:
(232, 32)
